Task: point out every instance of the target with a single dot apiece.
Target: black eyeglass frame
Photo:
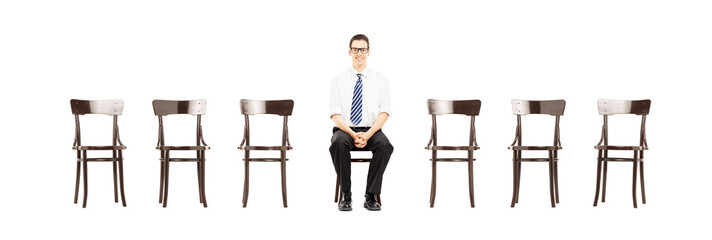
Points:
(362, 50)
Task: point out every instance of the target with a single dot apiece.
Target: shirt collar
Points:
(363, 73)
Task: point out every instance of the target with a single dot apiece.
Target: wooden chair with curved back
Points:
(469, 108)
(162, 108)
(112, 108)
(612, 107)
(524, 107)
(273, 107)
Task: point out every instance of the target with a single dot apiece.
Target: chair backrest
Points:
(550, 107)
(547, 107)
(464, 107)
(277, 107)
(170, 107)
(608, 107)
(611, 107)
(114, 108)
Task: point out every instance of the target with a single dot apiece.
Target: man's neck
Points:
(359, 68)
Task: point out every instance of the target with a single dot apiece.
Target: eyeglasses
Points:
(356, 50)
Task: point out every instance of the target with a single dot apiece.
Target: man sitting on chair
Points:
(360, 104)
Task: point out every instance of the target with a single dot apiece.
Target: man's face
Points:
(359, 58)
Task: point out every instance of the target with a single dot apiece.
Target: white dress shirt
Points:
(376, 95)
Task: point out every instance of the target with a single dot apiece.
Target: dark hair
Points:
(359, 37)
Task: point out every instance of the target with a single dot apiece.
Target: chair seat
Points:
(164, 148)
(360, 159)
(535, 148)
(453, 159)
(266, 159)
(609, 147)
(264, 148)
(621, 159)
(452, 148)
(537, 159)
(182, 159)
(121, 147)
(99, 159)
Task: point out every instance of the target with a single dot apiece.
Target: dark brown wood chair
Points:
(163, 108)
(112, 108)
(524, 107)
(337, 196)
(276, 107)
(612, 107)
(463, 107)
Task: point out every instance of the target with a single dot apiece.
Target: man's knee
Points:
(387, 147)
(383, 144)
(340, 139)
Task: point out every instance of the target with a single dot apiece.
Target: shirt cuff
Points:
(385, 110)
(335, 111)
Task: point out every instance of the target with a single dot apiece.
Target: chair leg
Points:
(202, 180)
(519, 177)
(635, 177)
(284, 180)
(86, 179)
(551, 179)
(433, 182)
(605, 177)
(598, 179)
(160, 191)
(430, 200)
(116, 189)
(167, 161)
(642, 181)
(246, 188)
(243, 191)
(472, 189)
(556, 180)
(121, 179)
(336, 193)
(514, 178)
(76, 187)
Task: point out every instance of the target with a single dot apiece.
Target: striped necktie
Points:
(357, 101)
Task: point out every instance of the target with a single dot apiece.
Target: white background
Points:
(223, 51)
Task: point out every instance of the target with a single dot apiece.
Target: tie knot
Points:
(359, 75)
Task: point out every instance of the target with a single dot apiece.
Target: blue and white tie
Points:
(357, 102)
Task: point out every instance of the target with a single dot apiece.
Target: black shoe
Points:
(345, 203)
(371, 204)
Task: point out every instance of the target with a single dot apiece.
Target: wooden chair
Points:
(337, 196)
(112, 108)
(612, 107)
(524, 107)
(277, 107)
(463, 107)
(163, 108)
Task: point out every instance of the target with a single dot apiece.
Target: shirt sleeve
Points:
(334, 98)
(385, 102)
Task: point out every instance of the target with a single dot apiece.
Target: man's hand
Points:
(362, 138)
(358, 140)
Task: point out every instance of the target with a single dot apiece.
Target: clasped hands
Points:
(361, 138)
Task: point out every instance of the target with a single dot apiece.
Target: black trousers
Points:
(341, 146)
